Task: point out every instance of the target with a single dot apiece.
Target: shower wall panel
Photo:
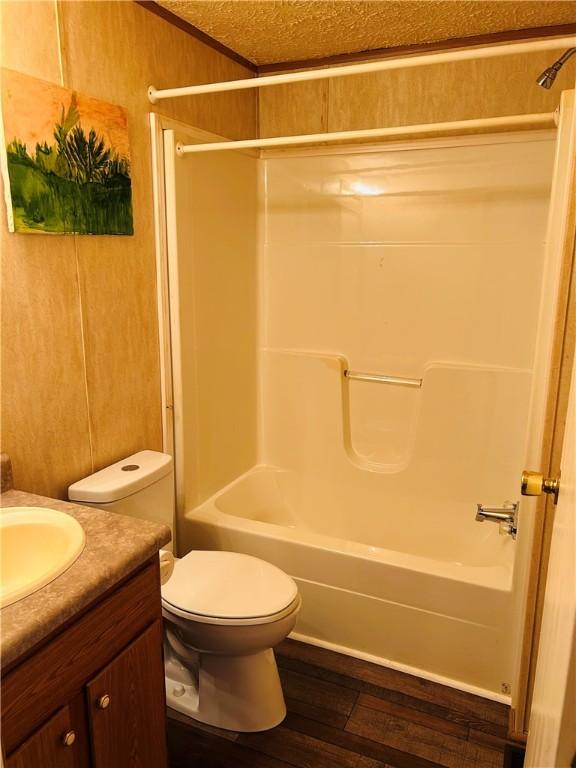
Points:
(421, 262)
(215, 210)
(400, 257)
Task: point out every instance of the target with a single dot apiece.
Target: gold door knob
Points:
(104, 701)
(535, 484)
(69, 738)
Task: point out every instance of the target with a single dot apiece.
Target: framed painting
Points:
(65, 160)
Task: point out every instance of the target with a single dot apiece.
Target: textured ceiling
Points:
(266, 31)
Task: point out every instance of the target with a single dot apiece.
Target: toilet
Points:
(223, 611)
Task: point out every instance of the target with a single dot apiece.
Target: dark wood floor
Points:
(348, 713)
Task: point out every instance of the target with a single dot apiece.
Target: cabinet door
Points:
(59, 743)
(127, 707)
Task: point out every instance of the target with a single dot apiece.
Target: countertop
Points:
(115, 546)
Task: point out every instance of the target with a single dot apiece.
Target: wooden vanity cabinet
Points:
(93, 695)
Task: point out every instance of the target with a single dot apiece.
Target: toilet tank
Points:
(141, 485)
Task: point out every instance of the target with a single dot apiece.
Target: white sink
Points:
(36, 546)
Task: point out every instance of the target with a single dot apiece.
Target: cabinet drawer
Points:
(57, 671)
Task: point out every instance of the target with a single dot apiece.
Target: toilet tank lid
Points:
(123, 478)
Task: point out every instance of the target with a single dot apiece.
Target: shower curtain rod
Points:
(544, 120)
(415, 60)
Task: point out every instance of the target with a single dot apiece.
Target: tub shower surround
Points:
(418, 266)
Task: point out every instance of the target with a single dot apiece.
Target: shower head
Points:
(546, 79)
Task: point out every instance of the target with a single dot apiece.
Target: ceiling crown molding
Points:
(492, 38)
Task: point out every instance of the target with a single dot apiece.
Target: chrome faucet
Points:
(506, 516)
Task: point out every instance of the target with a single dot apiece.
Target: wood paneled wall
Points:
(458, 91)
(80, 355)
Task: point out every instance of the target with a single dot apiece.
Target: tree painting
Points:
(66, 165)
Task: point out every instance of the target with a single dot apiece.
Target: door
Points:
(127, 707)
(552, 729)
(535, 520)
(59, 743)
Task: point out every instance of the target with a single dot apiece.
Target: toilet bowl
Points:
(223, 614)
(223, 611)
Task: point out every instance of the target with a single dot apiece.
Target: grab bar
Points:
(381, 379)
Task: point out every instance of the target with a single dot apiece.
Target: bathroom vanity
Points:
(83, 676)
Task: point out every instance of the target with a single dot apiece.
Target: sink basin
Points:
(36, 546)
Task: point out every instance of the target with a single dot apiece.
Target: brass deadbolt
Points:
(104, 701)
(535, 484)
(69, 738)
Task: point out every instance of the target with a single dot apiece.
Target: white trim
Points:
(405, 668)
(531, 121)
(406, 62)
(162, 292)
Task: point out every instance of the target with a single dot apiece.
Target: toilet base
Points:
(237, 693)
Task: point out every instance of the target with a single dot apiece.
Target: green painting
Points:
(66, 164)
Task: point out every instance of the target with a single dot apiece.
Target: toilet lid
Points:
(228, 585)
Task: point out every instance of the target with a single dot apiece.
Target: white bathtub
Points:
(440, 617)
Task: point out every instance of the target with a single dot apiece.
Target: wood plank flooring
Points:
(348, 713)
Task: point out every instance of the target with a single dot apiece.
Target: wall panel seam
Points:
(60, 38)
(59, 45)
(84, 356)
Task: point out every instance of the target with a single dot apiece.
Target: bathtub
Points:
(443, 613)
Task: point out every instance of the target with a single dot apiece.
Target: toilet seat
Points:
(238, 622)
(229, 588)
